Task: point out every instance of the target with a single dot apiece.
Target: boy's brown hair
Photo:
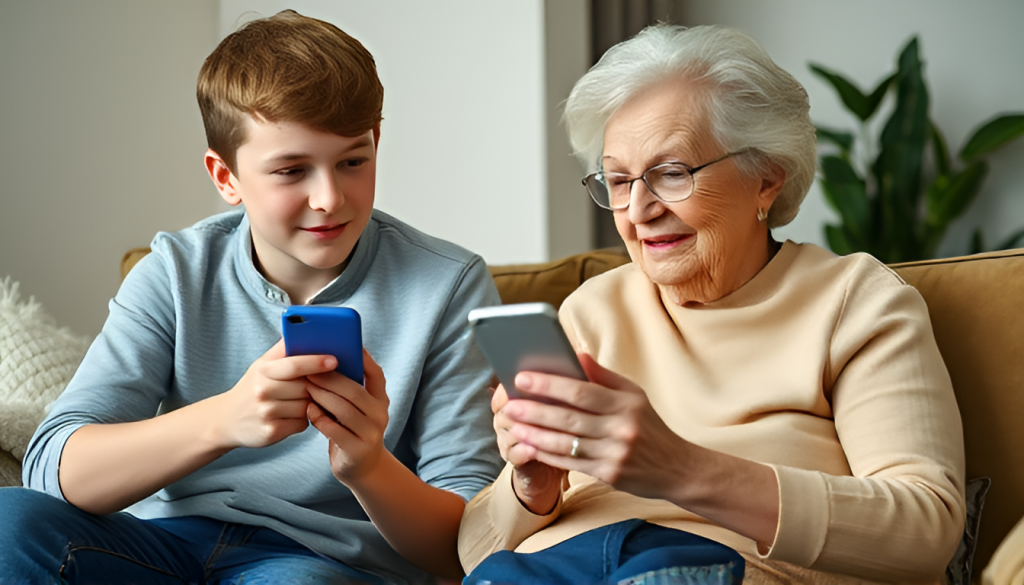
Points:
(287, 68)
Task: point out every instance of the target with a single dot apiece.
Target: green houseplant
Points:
(896, 206)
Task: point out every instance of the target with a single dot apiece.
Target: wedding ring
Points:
(575, 448)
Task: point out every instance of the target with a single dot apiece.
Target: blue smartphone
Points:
(315, 330)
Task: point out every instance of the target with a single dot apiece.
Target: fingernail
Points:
(524, 381)
(330, 362)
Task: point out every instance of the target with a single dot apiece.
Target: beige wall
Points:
(100, 141)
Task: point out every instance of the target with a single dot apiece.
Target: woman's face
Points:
(705, 247)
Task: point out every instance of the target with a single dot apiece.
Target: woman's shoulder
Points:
(615, 285)
(812, 261)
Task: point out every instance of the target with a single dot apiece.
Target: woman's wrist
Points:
(538, 487)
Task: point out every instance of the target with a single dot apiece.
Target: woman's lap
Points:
(614, 554)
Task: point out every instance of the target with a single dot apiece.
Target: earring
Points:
(761, 214)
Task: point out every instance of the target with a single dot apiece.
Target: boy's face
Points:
(308, 193)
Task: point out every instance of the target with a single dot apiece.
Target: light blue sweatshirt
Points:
(194, 314)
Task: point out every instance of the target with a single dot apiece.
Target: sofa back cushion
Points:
(977, 310)
(976, 305)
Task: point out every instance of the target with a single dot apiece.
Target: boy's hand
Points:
(269, 402)
(352, 417)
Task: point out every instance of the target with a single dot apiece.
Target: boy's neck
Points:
(300, 284)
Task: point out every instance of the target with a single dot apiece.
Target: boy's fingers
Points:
(374, 377)
(291, 368)
(276, 351)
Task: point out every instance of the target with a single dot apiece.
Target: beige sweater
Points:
(824, 368)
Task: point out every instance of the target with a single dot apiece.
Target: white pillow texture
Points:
(37, 359)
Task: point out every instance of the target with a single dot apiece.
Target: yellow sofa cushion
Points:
(976, 305)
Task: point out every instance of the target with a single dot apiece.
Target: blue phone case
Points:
(313, 330)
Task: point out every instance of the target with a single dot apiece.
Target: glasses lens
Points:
(671, 182)
(598, 190)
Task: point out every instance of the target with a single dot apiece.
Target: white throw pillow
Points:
(37, 359)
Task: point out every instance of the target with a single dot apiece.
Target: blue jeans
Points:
(46, 540)
(631, 551)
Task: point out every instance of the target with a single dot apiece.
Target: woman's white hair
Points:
(751, 102)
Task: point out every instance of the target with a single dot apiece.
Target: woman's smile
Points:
(666, 242)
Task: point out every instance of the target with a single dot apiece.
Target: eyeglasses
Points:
(669, 182)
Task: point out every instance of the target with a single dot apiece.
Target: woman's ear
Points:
(771, 185)
(223, 179)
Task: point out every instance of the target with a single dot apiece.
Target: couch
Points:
(976, 305)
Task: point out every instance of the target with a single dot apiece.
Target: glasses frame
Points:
(599, 176)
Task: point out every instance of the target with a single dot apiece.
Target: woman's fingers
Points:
(586, 396)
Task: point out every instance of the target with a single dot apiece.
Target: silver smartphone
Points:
(524, 337)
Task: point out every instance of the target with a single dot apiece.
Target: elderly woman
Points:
(787, 403)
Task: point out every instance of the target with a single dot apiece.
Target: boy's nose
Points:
(326, 195)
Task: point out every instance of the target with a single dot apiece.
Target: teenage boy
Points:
(186, 410)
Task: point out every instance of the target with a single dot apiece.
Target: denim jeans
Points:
(46, 540)
(631, 551)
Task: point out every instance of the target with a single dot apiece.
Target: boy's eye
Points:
(353, 162)
(289, 173)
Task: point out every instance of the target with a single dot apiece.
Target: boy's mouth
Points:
(326, 231)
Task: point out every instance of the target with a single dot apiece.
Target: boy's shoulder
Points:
(396, 236)
(212, 231)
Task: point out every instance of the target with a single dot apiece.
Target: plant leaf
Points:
(1012, 241)
(845, 190)
(842, 139)
(949, 197)
(837, 240)
(898, 167)
(876, 96)
(939, 150)
(852, 97)
(993, 134)
(977, 242)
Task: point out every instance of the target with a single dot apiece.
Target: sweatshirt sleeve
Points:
(124, 376)
(452, 415)
(901, 513)
(496, 520)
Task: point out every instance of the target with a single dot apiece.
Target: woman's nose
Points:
(643, 205)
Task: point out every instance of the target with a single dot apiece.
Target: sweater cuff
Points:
(510, 514)
(803, 517)
(496, 520)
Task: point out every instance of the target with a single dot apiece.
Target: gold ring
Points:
(575, 448)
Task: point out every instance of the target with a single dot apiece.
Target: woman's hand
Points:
(623, 442)
(269, 401)
(537, 484)
(621, 439)
(352, 417)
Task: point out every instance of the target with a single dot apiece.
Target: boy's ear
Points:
(222, 177)
(376, 136)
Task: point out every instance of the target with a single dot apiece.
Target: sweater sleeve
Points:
(496, 520)
(901, 513)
